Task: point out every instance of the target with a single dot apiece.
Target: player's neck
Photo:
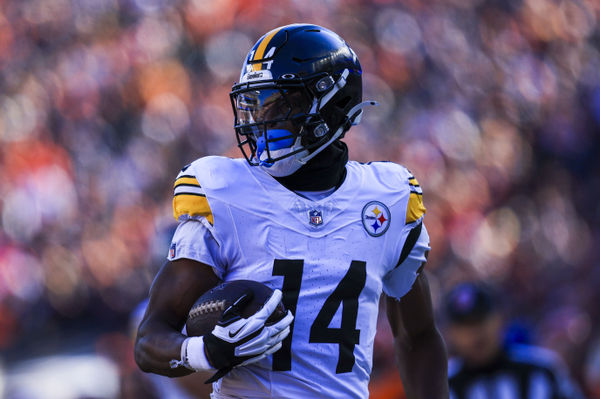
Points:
(324, 171)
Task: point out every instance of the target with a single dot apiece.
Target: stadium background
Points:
(493, 104)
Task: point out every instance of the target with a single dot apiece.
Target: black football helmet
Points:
(300, 88)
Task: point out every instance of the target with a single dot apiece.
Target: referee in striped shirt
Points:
(485, 367)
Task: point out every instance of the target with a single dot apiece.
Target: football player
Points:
(328, 234)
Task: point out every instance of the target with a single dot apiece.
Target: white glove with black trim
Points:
(237, 341)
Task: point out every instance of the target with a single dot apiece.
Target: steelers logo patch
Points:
(376, 218)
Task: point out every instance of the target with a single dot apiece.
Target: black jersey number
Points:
(345, 294)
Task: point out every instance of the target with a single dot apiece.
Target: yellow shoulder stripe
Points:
(413, 182)
(192, 205)
(415, 209)
(186, 180)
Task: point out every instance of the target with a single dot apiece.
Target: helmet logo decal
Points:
(256, 76)
(257, 66)
(260, 51)
(376, 218)
(269, 54)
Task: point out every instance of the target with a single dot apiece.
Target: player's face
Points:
(477, 343)
(278, 108)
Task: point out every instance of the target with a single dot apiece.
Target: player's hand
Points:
(238, 341)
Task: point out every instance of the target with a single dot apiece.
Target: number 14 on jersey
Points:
(345, 294)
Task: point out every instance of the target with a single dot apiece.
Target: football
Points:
(207, 309)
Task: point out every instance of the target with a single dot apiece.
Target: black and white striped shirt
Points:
(519, 372)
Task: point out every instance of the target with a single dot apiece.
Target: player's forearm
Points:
(423, 365)
(156, 345)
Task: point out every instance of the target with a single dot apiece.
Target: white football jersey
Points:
(332, 258)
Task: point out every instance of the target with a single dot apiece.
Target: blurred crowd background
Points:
(493, 104)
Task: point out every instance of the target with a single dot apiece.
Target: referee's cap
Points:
(470, 302)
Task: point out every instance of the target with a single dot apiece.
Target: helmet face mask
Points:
(269, 105)
(296, 88)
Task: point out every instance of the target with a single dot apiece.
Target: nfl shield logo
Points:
(315, 217)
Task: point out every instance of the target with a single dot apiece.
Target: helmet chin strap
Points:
(354, 115)
(285, 166)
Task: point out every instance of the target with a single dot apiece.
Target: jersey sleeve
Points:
(398, 281)
(189, 199)
(195, 236)
(415, 209)
(193, 240)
